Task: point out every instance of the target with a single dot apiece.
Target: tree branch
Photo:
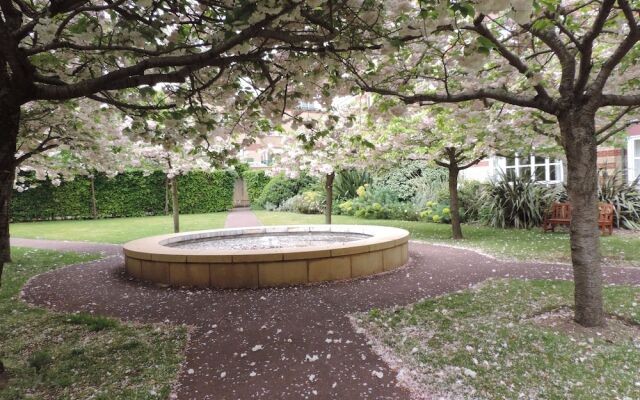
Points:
(586, 45)
(512, 58)
(619, 100)
(480, 94)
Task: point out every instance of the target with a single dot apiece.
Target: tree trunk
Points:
(9, 123)
(174, 204)
(167, 188)
(456, 228)
(579, 142)
(328, 186)
(94, 207)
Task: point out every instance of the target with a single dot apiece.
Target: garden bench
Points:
(560, 214)
(605, 217)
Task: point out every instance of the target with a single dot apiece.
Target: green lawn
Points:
(504, 243)
(79, 356)
(483, 343)
(115, 230)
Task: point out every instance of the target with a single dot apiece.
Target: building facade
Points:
(553, 171)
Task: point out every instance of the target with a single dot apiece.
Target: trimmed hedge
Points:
(130, 194)
(201, 192)
(255, 181)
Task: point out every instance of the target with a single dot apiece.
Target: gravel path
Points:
(241, 217)
(287, 343)
(63, 245)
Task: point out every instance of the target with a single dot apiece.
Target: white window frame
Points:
(632, 143)
(500, 164)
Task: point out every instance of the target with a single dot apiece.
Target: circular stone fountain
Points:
(267, 255)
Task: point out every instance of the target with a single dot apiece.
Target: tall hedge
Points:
(127, 195)
(131, 194)
(255, 181)
(201, 192)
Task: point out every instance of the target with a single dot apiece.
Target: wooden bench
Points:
(605, 218)
(560, 214)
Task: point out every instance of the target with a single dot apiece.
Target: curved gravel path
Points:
(287, 343)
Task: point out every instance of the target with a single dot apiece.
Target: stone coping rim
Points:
(381, 237)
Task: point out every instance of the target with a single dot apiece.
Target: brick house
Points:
(551, 171)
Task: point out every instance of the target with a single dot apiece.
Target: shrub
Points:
(279, 189)
(469, 196)
(517, 203)
(414, 181)
(436, 212)
(309, 202)
(347, 183)
(624, 197)
(255, 181)
(378, 203)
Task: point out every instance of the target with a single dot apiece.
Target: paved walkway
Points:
(241, 217)
(286, 343)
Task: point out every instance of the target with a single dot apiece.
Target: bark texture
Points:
(167, 189)
(328, 187)
(9, 122)
(94, 207)
(580, 144)
(456, 227)
(175, 204)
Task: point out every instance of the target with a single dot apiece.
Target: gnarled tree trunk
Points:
(328, 186)
(9, 122)
(580, 145)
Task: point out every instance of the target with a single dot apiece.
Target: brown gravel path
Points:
(240, 218)
(63, 245)
(287, 343)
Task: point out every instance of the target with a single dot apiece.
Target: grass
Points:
(78, 356)
(481, 343)
(519, 244)
(115, 230)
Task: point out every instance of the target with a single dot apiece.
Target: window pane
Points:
(636, 168)
(525, 173)
(510, 161)
(637, 147)
(525, 160)
(510, 173)
(553, 176)
(540, 160)
(540, 173)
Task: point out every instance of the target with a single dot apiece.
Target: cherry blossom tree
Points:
(452, 136)
(321, 145)
(150, 55)
(572, 63)
(205, 151)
